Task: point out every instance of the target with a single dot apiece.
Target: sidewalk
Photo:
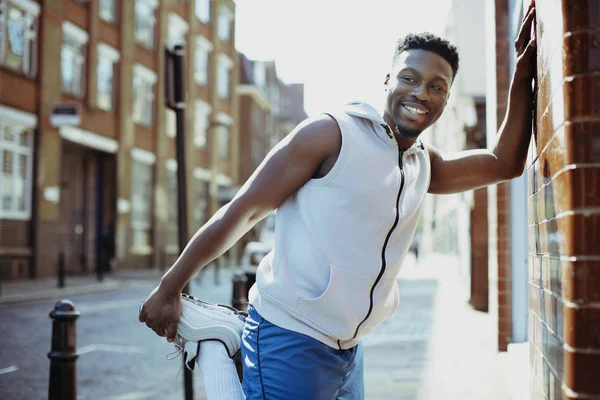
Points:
(42, 289)
(47, 288)
(435, 346)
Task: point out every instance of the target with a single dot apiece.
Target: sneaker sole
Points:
(205, 321)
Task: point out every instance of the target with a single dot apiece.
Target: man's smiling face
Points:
(417, 91)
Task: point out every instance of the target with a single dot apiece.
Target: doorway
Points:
(88, 204)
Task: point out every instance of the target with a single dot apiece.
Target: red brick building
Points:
(269, 110)
(542, 250)
(564, 200)
(102, 192)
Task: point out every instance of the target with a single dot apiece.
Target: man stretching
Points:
(348, 188)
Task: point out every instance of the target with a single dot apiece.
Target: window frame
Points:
(142, 158)
(202, 10)
(20, 121)
(225, 16)
(170, 123)
(202, 112)
(148, 80)
(202, 179)
(78, 40)
(222, 132)
(224, 67)
(172, 243)
(109, 54)
(203, 47)
(178, 29)
(151, 6)
(29, 61)
(111, 18)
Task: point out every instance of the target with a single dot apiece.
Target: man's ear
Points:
(386, 81)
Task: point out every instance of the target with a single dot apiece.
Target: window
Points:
(143, 94)
(16, 154)
(178, 28)
(107, 58)
(260, 76)
(224, 24)
(222, 127)
(257, 150)
(172, 208)
(72, 63)
(222, 133)
(203, 10)
(107, 10)
(141, 200)
(145, 22)
(19, 35)
(223, 76)
(201, 122)
(201, 59)
(170, 123)
(201, 196)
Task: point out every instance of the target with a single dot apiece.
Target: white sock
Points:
(218, 371)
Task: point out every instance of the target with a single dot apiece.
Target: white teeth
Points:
(414, 110)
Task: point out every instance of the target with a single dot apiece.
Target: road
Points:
(433, 347)
(120, 359)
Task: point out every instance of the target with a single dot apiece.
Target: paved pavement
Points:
(120, 359)
(434, 347)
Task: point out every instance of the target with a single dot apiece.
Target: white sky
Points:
(340, 49)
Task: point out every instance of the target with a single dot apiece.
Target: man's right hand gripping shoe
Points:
(204, 321)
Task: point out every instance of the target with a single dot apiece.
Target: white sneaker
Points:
(204, 321)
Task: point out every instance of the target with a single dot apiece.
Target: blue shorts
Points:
(283, 365)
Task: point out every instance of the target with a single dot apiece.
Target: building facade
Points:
(563, 197)
(102, 192)
(542, 228)
(269, 110)
(547, 290)
(456, 224)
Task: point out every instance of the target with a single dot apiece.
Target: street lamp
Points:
(175, 96)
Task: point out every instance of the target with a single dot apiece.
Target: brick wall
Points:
(499, 252)
(564, 204)
(476, 139)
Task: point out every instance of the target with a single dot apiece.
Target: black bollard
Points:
(61, 269)
(239, 300)
(63, 354)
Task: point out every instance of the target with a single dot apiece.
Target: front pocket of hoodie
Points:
(340, 308)
(386, 301)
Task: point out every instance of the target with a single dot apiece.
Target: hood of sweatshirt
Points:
(367, 111)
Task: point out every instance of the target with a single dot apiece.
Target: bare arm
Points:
(476, 168)
(285, 169)
(289, 165)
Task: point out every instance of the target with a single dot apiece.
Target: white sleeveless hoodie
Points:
(340, 240)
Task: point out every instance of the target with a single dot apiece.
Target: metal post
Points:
(175, 97)
(63, 353)
(239, 299)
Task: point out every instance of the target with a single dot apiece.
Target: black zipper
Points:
(385, 243)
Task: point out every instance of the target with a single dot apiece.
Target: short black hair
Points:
(428, 41)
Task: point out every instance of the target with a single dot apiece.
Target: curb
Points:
(57, 293)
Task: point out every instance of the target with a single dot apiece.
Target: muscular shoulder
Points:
(320, 134)
(434, 154)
